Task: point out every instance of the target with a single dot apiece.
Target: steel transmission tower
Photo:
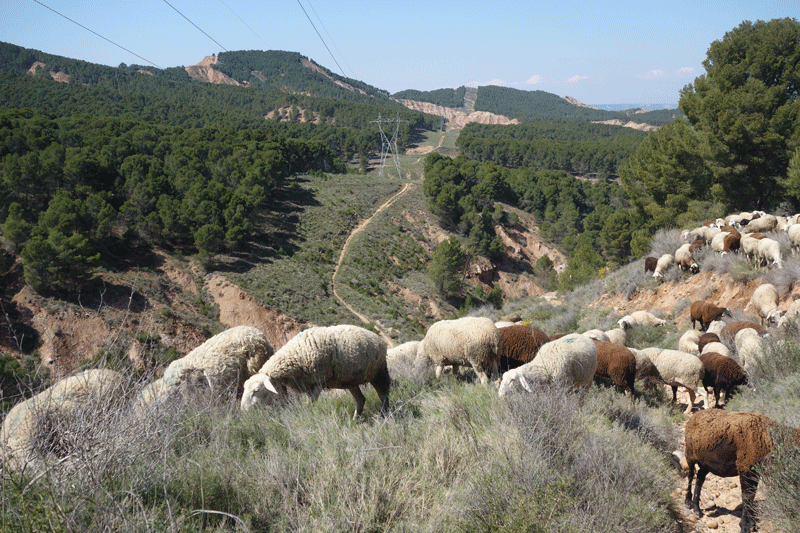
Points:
(389, 145)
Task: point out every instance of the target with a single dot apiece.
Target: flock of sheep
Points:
(753, 235)
(517, 358)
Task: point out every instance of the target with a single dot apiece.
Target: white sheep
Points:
(716, 327)
(644, 365)
(683, 369)
(617, 336)
(333, 357)
(504, 324)
(709, 232)
(793, 233)
(402, 361)
(684, 259)
(718, 242)
(762, 224)
(219, 366)
(570, 361)
(32, 430)
(717, 347)
(646, 318)
(663, 263)
(750, 348)
(765, 303)
(768, 253)
(472, 341)
(688, 341)
(597, 334)
(749, 246)
(791, 315)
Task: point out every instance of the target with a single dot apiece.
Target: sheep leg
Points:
(702, 471)
(439, 369)
(749, 483)
(674, 393)
(382, 383)
(688, 410)
(716, 396)
(690, 475)
(359, 396)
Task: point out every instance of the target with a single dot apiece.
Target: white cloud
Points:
(534, 80)
(652, 75)
(495, 81)
(685, 70)
(576, 78)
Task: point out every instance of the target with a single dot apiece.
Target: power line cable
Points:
(320, 37)
(331, 38)
(195, 25)
(92, 31)
(245, 23)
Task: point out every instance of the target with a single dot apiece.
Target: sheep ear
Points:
(524, 383)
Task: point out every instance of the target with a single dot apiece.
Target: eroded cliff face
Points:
(458, 118)
(203, 71)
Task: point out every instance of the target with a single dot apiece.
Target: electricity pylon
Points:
(389, 145)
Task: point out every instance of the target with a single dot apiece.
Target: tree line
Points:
(74, 186)
(572, 146)
(442, 97)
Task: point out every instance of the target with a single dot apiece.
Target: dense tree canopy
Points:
(746, 109)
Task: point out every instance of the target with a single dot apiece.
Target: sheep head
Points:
(258, 390)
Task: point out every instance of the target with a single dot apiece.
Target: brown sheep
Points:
(650, 264)
(706, 338)
(731, 230)
(697, 244)
(730, 330)
(731, 243)
(722, 374)
(618, 364)
(706, 313)
(520, 345)
(727, 444)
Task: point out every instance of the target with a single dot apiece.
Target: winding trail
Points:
(358, 229)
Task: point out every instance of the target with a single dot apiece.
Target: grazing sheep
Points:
(402, 361)
(718, 242)
(722, 374)
(618, 364)
(683, 369)
(706, 338)
(466, 341)
(728, 444)
(689, 342)
(570, 360)
(793, 233)
(731, 243)
(791, 315)
(768, 253)
(705, 313)
(730, 330)
(640, 318)
(218, 366)
(650, 264)
(761, 224)
(520, 345)
(750, 348)
(334, 357)
(664, 262)
(597, 334)
(683, 258)
(697, 244)
(617, 336)
(644, 366)
(717, 347)
(33, 432)
(716, 327)
(765, 303)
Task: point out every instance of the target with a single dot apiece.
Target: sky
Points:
(600, 52)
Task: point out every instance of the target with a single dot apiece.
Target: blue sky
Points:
(607, 52)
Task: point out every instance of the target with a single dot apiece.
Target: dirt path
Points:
(358, 229)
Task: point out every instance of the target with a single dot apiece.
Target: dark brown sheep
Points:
(650, 264)
(727, 444)
(706, 338)
(722, 374)
(728, 333)
(697, 244)
(618, 364)
(731, 243)
(706, 313)
(520, 345)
